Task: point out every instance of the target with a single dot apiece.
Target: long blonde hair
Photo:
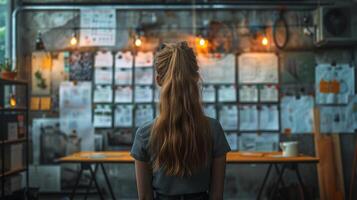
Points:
(180, 139)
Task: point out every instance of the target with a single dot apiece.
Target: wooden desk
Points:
(273, 159)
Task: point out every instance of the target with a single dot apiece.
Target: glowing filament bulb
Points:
(138, 42)
(202, 42)
(265, 41)
(12, 101)
(74, 40)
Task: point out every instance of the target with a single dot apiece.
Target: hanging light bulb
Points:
(13, 101)
(265, 41)
(202, 42)
(138, 41)
(73, 40)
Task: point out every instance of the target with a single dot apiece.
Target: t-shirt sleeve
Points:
(139, 148)
(220, 144)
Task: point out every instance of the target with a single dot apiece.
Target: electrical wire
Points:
(281, 20)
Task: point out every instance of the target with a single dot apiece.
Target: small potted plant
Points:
(7, 72)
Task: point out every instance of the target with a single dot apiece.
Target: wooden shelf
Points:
(13, 82)
(13, 172)
(8, 142)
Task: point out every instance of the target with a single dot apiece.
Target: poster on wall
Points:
(98, 27)
(41, 73)
(76, 112)
(336, 119)
(124, 59)
(217, 68)
(103, 59)
(258, 68)
(334, 84)
(265, 142)
(80, 66)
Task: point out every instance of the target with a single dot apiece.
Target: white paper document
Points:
(269, 93)
(232, 140)
(143, 114)
(144, 76)
(334, 84)
(144, 59)
(123, 94)
(227, 93)
(248, 93)
(297, 114)
(208, 93)
(258, 68)
(143, 94)
(103, 59)
(102, 116)
(98, 27)
(103, 94)
(269, 118)
(124, 59)
(210, 111)
(103, 75)
(123, 76)
(248, 118)
(229, 117)
(265, 142)
(217, 68)
(124, 116)
(336, 119)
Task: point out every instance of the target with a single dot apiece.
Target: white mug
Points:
(290, 149)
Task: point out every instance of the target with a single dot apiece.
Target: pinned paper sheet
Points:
(144, 59)
(336, 119)
(45, 103)
(143, 94)
(227, 94)
(144, 76)
(208, 93)
(124, 94)
(265, 142)
(123, 76)
(269, 93)
(103, 76)
(248, 93)
(124, 59)
(103, 94)
(103, 59)
(35, 103)
(269, 118)
(334, 84)
(143, 114)
(297, 114)
(98, 27)
(210, 111)
(258, 68)
(248, 118)
(102, 116)
(41, 73)
(80, 66)
(232, 139)
(124, 116)
(228, 116)
(217, 68)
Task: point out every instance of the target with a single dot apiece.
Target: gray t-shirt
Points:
(172, 185)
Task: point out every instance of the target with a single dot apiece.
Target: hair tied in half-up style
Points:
(180, 139)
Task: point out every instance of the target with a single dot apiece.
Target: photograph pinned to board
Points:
(123, 76)
(248, 118)
(208, 93)
(258, 68)
(103, 76)
(123, 116)
(334, 84)
(76, 112)
(227, 93)
(211, 74)
(265, 142)
(269, 93)
(232, 139)
(143, 114)
(103, 94)
(210, 111)
(298, 67)
(103, 59)
(144, 59)
(120, 137)
(144, 76)
(143, 94)
(269, 118)
(98, 27)
(124, 59)
(336, 119)
(47, 178)
(102, 116)
(248, 93)
(228, 116)
(41, 73)
(80, 66)
(123, 94)
(297, 114)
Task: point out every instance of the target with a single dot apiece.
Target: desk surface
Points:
(232, 157)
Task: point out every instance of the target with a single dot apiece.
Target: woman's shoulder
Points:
(145, 129)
